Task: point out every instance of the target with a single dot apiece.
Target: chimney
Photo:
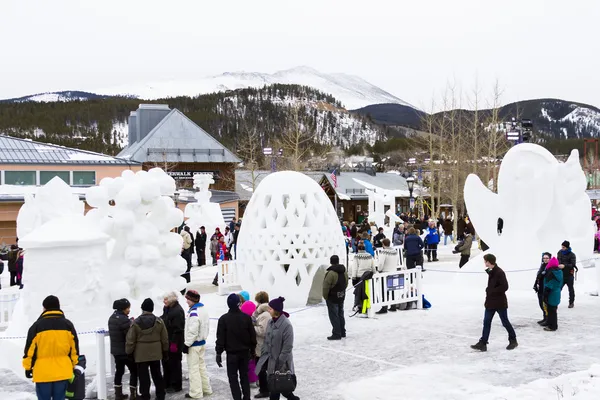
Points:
(148, 116)
(132, 128)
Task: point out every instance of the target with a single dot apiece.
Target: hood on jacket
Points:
(262, 308)
(340, 269)
(553, 263)
(146, 322)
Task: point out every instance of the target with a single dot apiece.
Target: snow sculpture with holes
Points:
(290, 231)
(203, 212)
(541, 201)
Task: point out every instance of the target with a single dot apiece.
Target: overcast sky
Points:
(534, 48)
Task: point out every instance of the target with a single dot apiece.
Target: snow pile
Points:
(542, 203)
(143, 248)
(289, 232)
(352, 91)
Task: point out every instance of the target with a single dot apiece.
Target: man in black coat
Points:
(236, 336)
(378, 238)
(334, 293)
(200, 243)
(118, 326)
(174, 319)
(495, 302)
(568, 262)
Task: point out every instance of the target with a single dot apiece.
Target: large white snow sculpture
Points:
(203, 212)
(290, 230)
(379, 200)
(542, 203)
(144, 254)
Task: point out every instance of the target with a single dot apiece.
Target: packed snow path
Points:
(425, 354)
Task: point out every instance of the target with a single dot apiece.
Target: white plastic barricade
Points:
(228, 276)
(396, 287)
(8, 300)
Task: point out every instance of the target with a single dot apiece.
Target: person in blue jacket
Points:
(432, 240)
(368, 245)
(413, 246)
(553, 283)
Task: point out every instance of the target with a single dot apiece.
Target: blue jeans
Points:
(336, 317)
(446, 238)
(487, 324)
(51, 390)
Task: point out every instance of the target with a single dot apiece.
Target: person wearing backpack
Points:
(334, 292)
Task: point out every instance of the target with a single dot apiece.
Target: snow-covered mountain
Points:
(352, 91)
(47, 97)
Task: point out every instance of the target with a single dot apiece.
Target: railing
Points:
(397, 287)
(228, 276)
(8, 301)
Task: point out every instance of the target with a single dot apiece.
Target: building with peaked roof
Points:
(25, 164)
(161, 137)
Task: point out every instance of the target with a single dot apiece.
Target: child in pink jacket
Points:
(248, 308)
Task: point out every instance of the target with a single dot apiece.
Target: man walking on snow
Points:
(568, 260)
(495, 302)
(334, 293)
(196, 332)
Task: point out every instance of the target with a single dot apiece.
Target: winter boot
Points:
(383, 310)
(119, 393)
(512, 344)
(548, 329)
(545, 323)
(393, 308)
(334, 337)
(571, 305)
(262, 395)
(542, 322)
(133, 393)
(481, 346)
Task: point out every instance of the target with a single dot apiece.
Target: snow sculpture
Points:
(379, 199)
(290, 230)
(542, 203)
(143, 251)
(53, 200)
(203, 212)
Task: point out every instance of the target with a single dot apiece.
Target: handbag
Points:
(282, 382)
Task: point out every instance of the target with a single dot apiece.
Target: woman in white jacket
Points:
(261, 319)
(362, 262)
(388, 262)
(196, 332)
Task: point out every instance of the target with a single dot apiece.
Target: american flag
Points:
(334, 179)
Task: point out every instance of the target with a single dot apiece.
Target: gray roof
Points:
(178, 139)
(348, 186)
(244, 180)
(25, 151)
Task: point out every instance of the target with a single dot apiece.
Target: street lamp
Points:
(410, 181)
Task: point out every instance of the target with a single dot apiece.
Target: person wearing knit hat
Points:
(567, 261)
(118, 326)
(196, 332)
(51, 350)
(335, 283)
(277, 349)
(237, 337)
(553, 283)
(148, 341)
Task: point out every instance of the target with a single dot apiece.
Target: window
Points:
(19, 177)
(84, 178)
(46, 176)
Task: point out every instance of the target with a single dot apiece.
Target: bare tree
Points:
(295, 141)
(250, 151)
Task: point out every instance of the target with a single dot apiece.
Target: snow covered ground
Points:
(425, 354)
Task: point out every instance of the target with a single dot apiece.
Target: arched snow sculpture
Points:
(289, 231)
(542, 203)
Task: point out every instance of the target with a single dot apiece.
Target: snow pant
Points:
(463, 261)
(199, 382)
(412, 261)
(487, 324)
(356, 297)
(336, 317)
(145, 369)
(252, 377)
(569, 280)
(540, 296)
(263, 384)
(120, 363)
(172, 370)
(13, 278)
(187, 256)
(446, 239)
(51, 390)
(237, 363)
(552, 317)
(201, 257)
(431, 252)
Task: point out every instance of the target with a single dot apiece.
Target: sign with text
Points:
(185, 175)
(395, 282)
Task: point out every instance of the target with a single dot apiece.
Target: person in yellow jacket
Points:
(51, 352)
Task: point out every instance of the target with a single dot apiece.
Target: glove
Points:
(219, 361)
(165, 355)
(185, 349)
(454, 252)
(535, 289)
(29, 374)
(546, 295)
(173, 347)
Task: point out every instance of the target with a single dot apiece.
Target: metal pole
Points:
(419, 286)
(101, 365)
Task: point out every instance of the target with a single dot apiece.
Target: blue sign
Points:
(395, 282)
(420, 174)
